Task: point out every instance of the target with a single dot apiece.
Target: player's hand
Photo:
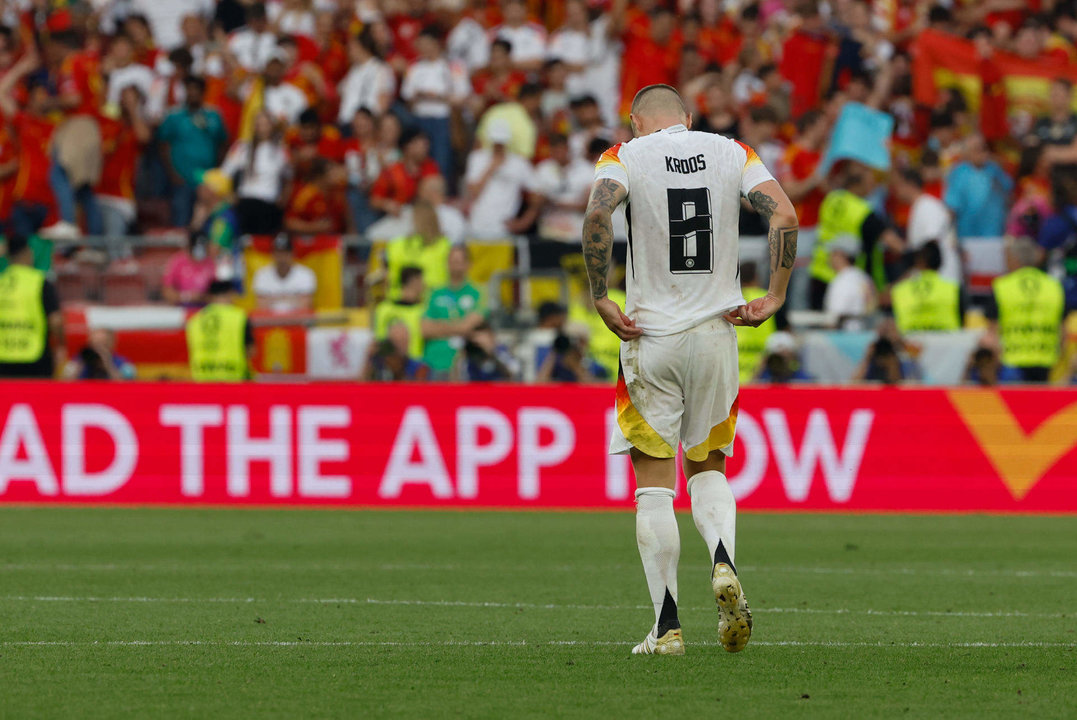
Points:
(622, 326)
(756, 312)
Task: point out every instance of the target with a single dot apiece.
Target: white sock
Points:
(659, 543)
(715, 511)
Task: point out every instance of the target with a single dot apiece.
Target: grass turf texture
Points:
(852, 595)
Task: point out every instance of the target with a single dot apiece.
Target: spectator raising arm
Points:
(26, 65)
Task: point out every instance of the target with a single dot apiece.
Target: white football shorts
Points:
(679, 389)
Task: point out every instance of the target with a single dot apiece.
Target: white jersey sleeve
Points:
(754, 173)
(611, 167)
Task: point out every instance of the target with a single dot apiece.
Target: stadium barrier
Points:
(523, 447)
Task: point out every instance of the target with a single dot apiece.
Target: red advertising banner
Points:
(523, 447)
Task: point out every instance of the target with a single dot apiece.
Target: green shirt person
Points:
(459, 302)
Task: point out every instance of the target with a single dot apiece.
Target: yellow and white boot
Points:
(669, 644)
(734, 617)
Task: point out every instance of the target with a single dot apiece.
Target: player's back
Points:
(683, 211)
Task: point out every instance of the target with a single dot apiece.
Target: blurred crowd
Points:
(441, 123)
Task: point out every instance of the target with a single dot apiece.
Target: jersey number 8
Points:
(690, 230)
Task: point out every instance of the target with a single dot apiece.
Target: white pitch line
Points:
(517, 606)
(505, 643)
(451, 567)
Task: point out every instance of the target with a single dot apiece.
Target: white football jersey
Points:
(683, 210)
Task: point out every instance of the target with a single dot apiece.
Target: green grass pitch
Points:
(259, 613)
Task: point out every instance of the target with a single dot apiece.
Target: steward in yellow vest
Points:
(407, 310)
(1030, 306)
(752, 341)
(29, 316)
(426, 249)
(927, 301)
(845, 212)
(219, 339)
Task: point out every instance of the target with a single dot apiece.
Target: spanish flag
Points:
(324, 254)
(1001, 84)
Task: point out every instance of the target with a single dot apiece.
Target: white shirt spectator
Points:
(251, 49)
(849, 295)
(165, 18)
(363, 87)
(563, 185)
(291, 22)
(284, 294)
(284, 102)
(603, 76)
(264, 178)
(135, 74)
(572, 48)
(433, 76)
(500, 198)
(468, 43)
(528, 41)
(930, 219)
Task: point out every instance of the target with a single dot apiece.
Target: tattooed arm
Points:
(773, 205)
(606, 195)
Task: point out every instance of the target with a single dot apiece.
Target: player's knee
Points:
(715, 461)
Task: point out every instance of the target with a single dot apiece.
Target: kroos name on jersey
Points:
(686, 166)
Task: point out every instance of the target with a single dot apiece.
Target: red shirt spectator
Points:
(9, 166)
(120, 148)
(312, 140)
(81, 86)
(649, 59)
(398, 183)
(804, 58)
(32, 180)
(315, 208)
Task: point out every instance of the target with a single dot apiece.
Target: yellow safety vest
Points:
(24, 328)
(433, 259)
(751, 341)
(604, 346)
(216, 344)
(842, 213)
(388, 312)
(927, 301)
(1030, 307)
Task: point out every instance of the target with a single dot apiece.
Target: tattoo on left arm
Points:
(763, 204)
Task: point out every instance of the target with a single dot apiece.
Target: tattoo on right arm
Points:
(783, 247)
(598, 233)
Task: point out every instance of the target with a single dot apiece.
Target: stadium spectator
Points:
(499, 81)
(452, 222)
(122, 139)
(927, 301)
(291, 17)
(752, 341)
(282, 99)
(454, 310)
(521, 116)
(190, 272)
(562, 182)
(370, 84)
(984, 368)
(214, 215)
(978, 191)
(192, 140)
(850, 296)
(1027, 315)
(122, 70)
(391, 360)
(220, 342)
(318, 206)
(398, 183)
(882, 364)
(284, 285)
(425, 248)
(804, 56)
(260, 170)
(497, 179)
(467, 42)
(486, 360)
(781, 361)
(432, 88)
(845, 211)
(528, 39)
(253, 44)
(1059, 126)
(98, 360)
(572, 45)
(1058, 234)
(32, 125)
(929, 221)
(567, 362)
(313, 139)
(31, 324)
(800, 171)
(361, 160)
(407, 309)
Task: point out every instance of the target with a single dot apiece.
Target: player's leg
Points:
(659, 544)
(710, 419)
